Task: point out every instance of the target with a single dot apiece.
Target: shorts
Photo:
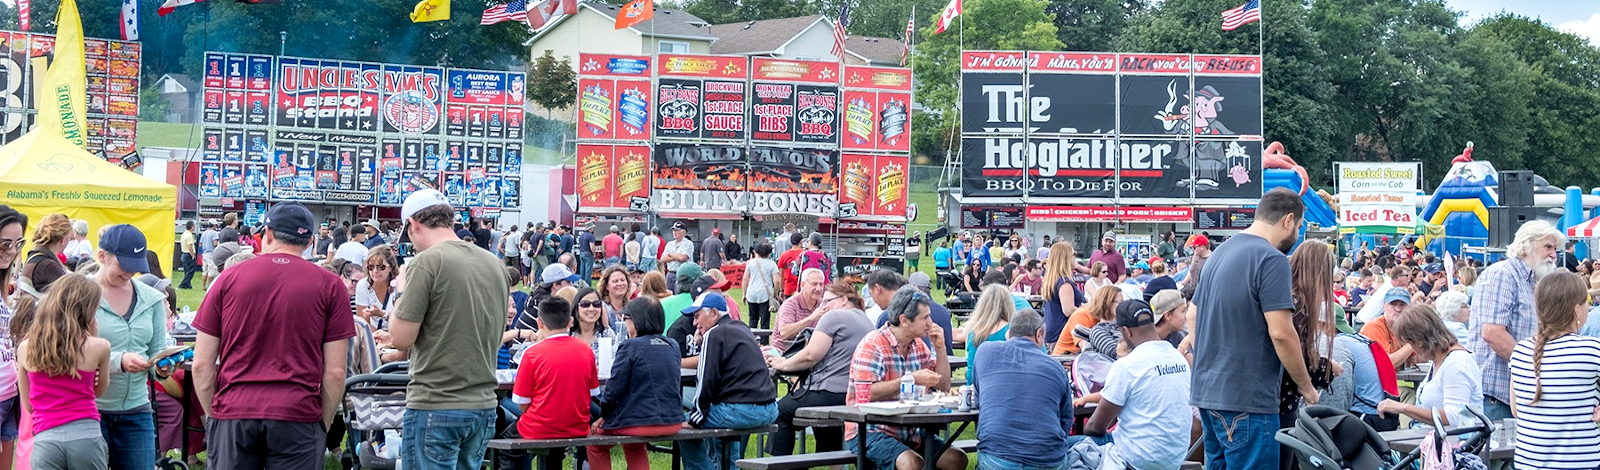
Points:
(883, 450)
(210, 266)
(260, 443)
(10, 413)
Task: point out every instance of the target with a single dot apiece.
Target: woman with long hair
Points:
(1101, 308)
(62, 368)
(1312, 265)
(376, 294)
(654, 286)
(828, 356)
(991, 318)
(1553, 377)
(589, 322)
(1061, 295)
(43, 264)
(614, 289)
(13, 229)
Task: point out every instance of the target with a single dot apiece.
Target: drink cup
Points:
(863, 393)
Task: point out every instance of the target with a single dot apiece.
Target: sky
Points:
(1581, 17)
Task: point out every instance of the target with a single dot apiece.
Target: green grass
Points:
(166, 134)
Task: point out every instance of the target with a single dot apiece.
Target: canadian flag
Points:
(169, 5)
(949, 14)
(547, 11)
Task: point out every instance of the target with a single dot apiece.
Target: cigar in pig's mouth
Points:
(1175, 117)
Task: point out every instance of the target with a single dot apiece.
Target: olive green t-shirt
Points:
(458, 293)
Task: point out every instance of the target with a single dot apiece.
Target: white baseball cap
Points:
(422, 199)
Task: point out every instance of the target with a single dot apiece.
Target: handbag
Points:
(374, 412)
(798, 379)
(1437, 454)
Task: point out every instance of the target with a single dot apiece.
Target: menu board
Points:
(360, 133)
(992, 218)
(111, 82)
(1224, 219)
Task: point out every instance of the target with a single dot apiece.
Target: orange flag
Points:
(635, 12)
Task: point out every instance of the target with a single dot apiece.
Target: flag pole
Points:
(1261, 27)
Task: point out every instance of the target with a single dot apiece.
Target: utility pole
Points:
(283, 40)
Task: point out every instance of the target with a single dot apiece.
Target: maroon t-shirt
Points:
(1116, 266)
(272, 314)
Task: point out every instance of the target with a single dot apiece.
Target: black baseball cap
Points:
(677, 226)
(1136, 313)
(289, 217)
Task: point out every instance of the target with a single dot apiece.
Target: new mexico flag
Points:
(62, 107)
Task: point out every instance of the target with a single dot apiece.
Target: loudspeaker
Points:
(1504, 222)
(1516, 188)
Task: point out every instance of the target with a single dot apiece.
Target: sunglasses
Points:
(591, 304)
(829, 299)
(376, 267)
(8, 245)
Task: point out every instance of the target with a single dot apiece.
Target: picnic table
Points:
(763, 336)
(1413, 374)
(929, 424)
(1037, 301)
(1501, 444)
(506, 377)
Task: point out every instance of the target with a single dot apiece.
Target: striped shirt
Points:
(1557, 432)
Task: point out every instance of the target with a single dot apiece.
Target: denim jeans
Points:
(130, 439)
(1239, 440)
(1494, 409)
(990, 462)
(586, 267)
(647, 264)
(445, 439)
(706, 454)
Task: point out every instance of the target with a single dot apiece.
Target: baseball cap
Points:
(677, 225)
(1142, 264)
(127, 243)
(712, 301)
(1397, 294)
(920, 280)
(1135, 313)
(1166, 300)
(701, 285)
(716, 230)
(153, 281)
(289, 217)
(557, 272)
(1433, 268)
(722, 285)
(689, 271)
(1198, 240)
(422, 199)
(1109, 235)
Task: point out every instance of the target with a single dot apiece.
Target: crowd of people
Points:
(1209, 344)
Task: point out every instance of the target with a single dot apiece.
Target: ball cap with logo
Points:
(1136, 313)
(127, 243)
(289, 217)
(420, 200)
(707, 300)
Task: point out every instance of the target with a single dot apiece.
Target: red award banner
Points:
(597, 106)
(876, 184)
(631, 172)
(704, 66)
(594, 176)
(806, 71)
(855, 182)
(610, 176)
(877, 78)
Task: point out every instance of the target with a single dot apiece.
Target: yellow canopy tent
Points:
(42, 173)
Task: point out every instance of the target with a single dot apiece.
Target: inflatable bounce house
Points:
(1282, 172)
(1460, 205)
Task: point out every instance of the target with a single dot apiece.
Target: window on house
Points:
(673, 47)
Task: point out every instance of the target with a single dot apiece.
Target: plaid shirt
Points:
(1502, 296)
(878, 359)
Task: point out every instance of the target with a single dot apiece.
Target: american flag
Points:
(1249, 12)
(911, 24)
(514, 10)
(838, 30)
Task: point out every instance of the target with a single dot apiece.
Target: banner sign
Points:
(359, 133)
(875, 184)
(1377, 197)
(876, 109)
(1060, 136)
(611, 106)
(112, 84)
(785, 170)
(701, 97)
(1107, 213)
(610, 176)
(992, 218)
(713, 178)
(794, 101)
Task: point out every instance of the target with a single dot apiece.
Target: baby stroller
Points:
(1327, 438)
(1482, 432)
(374, 403)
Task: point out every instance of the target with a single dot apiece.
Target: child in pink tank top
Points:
(61, 367)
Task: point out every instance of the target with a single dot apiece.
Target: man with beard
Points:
(1502, 309)
(1246, 340)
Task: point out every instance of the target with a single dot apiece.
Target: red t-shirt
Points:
(272, 315)
(791, 282)
(554, 380)
(612, 244)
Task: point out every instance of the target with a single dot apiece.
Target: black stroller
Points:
(373, 403)
(1327, 438)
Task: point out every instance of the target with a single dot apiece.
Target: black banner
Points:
(986, 218)
(994, 167)
(786, 170)
(1061, 104)
(723, 108)
(1224, 219)
(817, 114)
(679, 108)
(1161, 105)
(696, 167)
(773, 110)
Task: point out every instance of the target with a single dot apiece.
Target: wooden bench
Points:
(554, 450)
(799, 461)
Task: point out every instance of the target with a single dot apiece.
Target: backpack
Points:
(551, 242)
(1386, 375)
(807, 260)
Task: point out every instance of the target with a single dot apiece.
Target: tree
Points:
(1565, 90)
(153, 106)
(552, 84)
(735, 11)
(1091, 25)
(1296, 93)
(989, 25)
(887, 19)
